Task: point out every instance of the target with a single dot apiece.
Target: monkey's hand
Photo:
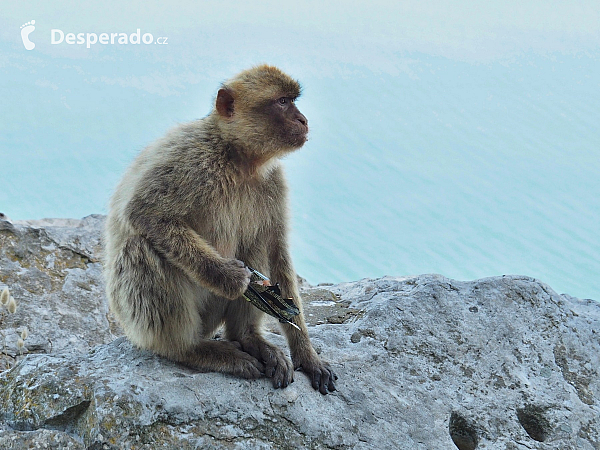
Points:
(231, 278)
(320, 373)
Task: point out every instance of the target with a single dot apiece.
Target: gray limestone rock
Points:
(53, 270)
(424, 362)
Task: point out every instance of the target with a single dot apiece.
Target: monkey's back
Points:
(153, 177)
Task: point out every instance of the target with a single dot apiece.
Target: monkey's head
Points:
(256, 111)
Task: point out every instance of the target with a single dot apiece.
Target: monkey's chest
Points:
(240, 222)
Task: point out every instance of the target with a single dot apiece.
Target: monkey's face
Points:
(267, 126)
(286, 124)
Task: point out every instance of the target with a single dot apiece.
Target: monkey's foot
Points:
(319, 373)
(277, 366)
(225, 357)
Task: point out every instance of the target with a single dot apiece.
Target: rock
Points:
(47, 439)
(424, 362)
(53, 270)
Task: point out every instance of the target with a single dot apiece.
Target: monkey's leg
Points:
(157, 305)
(152, 299)
(242, 324)
(321, 375)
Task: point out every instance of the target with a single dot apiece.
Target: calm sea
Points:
(467, 170)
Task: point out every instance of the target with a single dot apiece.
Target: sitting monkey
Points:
(192, 211)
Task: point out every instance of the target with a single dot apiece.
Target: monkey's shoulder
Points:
(187, 154)
(188, 145)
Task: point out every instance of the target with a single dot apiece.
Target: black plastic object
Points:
(269, 299)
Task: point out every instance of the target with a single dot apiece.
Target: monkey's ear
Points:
(225, 103)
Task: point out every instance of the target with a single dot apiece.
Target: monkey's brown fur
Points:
(190, 209)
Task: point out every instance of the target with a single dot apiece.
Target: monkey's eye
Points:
(282, 100)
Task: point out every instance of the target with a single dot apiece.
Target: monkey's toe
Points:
(278, 366)
(249, 367)
(323, 380)
(282, 374)
(327, 382)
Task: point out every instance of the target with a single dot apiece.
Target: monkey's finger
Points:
(333, 374)
(316, 377)
(246, 368)
(242, 264)
(324, 381)
(287, 379)
(251, 360)
(331, 384)
(279, 380)
(290, 371)
(260, 366)
(269, 357)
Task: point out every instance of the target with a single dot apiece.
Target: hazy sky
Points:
(338, 30)
(209, 40)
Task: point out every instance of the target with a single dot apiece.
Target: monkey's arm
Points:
(186, 249)
(303, 354)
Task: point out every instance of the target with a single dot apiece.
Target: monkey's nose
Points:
(300, 118)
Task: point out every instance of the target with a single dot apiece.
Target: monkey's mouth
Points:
(299, 139)
(294, 126)
(301, 130)
(297, 136)
(304, 134)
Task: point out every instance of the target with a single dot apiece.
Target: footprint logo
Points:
(26, 30)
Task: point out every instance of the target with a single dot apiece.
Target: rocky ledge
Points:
(424, 362)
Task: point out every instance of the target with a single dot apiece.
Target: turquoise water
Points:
(469, 171)
(465, 159)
